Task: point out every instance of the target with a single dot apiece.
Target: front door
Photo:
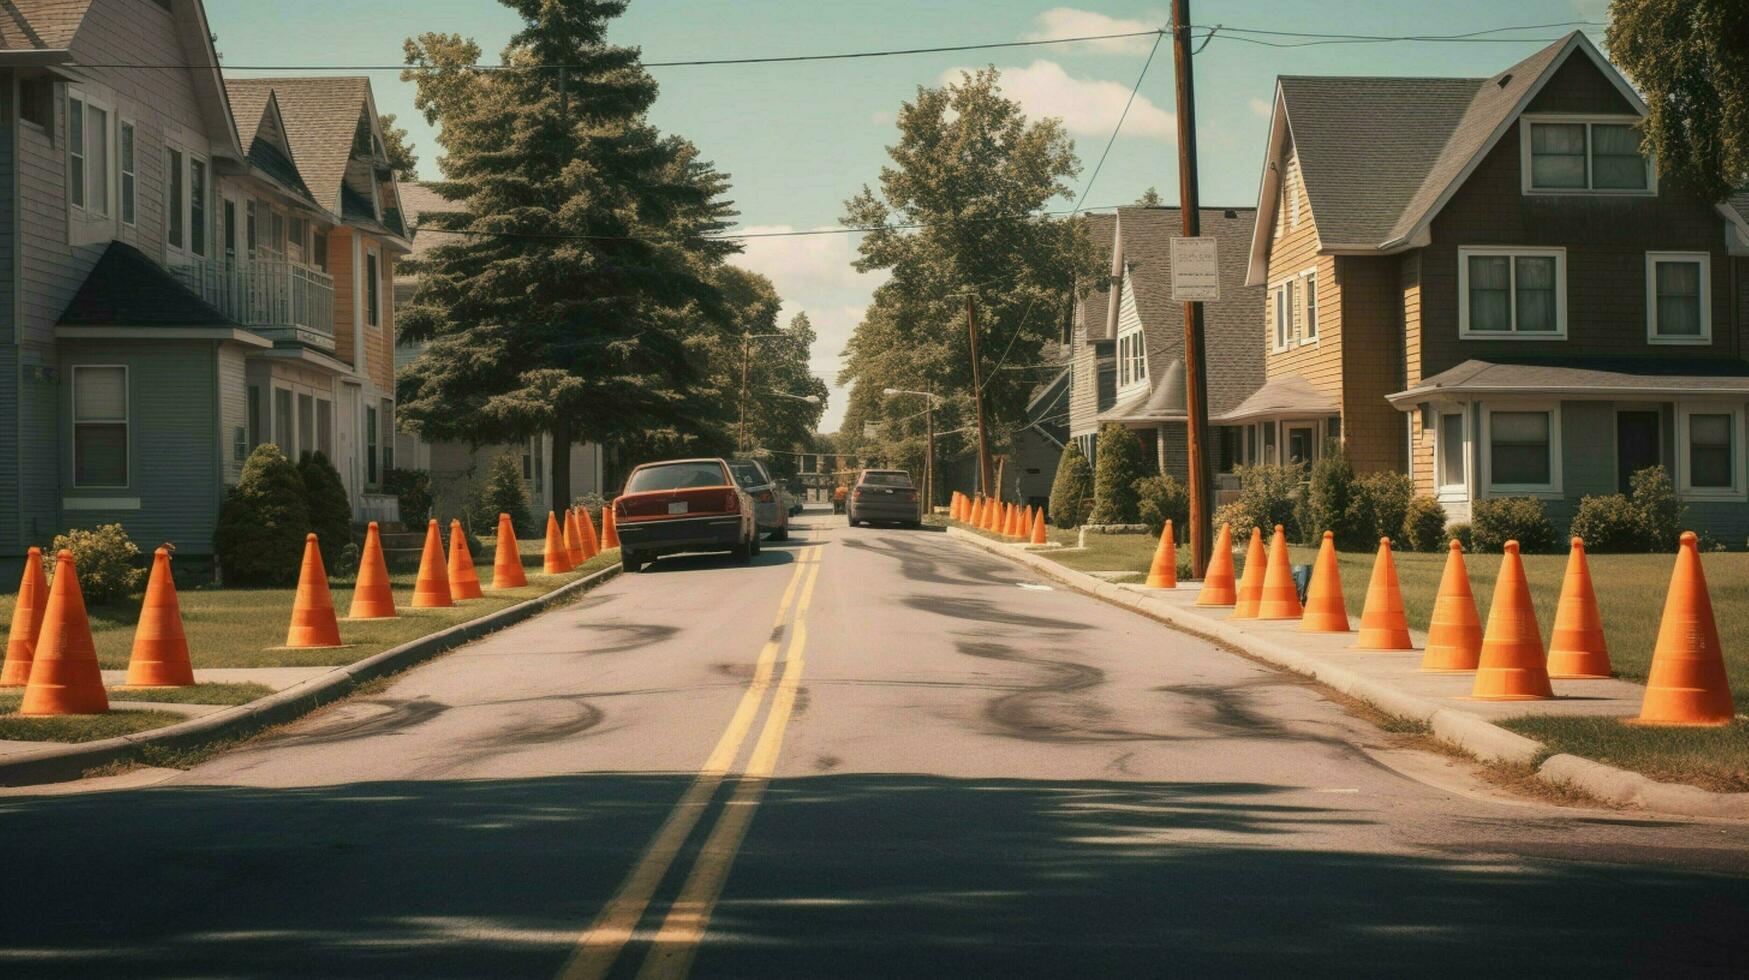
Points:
(1636, 445)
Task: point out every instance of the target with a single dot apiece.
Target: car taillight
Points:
(910, 495)
(766, 497)
(731, 502)
(859, 493)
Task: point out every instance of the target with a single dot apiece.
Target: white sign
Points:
(871, 430)
(1196, 274)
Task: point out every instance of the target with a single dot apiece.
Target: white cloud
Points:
(1260, 107)
(1087, 106)
(1070, 22)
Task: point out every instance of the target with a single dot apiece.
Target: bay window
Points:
(1678, 298)
(1512, 293)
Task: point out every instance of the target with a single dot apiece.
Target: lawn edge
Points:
(62, 762)
(1468, 733)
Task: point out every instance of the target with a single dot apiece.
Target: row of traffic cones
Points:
(1686, 686)
(1008, 520)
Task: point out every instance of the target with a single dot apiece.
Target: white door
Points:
(346, 448)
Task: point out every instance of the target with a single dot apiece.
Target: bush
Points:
(1381, 502)
(1520, 519)
(1267, 497)
(1464, 534)
(1609, 524)
(1114, 478)
(1072, 490)
(505, 493)
(330, 508)
(108, 562)
(1424, 525)
(1162, 498)
(1328, 503)
(345, 564)
(412, 489)
(1660, 514)
(260, 537)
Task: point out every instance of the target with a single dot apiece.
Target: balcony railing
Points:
(278, 299)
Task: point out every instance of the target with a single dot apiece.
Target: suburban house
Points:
(181, 283)
(1135, 318)
(1482, 282)
(454, 466)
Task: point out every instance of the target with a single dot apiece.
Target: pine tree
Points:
(1072, 490)
(1114, 478)
(260, 537)
(330, 508)
(505, 493)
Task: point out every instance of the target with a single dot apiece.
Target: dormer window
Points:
(1578, 155)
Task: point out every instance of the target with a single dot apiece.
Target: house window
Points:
(1232, 442)
(100, 426)
(76, 151)
(1284, 315)
(129, 175)
(1309, 290)
(320, 252)
(1678, 297)
(282, 422)
(294, 232)
(1450, 459)
(1512, 293)
(230, 231)
(306, 423)
(249, 233)
(1268, 443)
(276, 232)
(370, 445)
(1709, 440)
(325, 427)
(1577, 155)
(239, 444)
(173, 195)
(256, 436)
(388, 436)
(197, 206)
(1522, 450)
(36, 100)
(372, 315)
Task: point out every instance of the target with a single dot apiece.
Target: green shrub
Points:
(1660, 513)
(1381, 503)
(1114, 477)
(107, 560)
(1424, 525)
(1072, 490)
(1609, 524)
(412, 489)
(1268, 495)
(1162, 498)
(260, 537)
(505, 493)
(1328, 503)
(330, 508)
(1520, 519)
(345, 564)
(1464, 533)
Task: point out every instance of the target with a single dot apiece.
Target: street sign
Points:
(871, 430)
(1196, 275)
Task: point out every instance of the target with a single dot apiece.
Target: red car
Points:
(684, 505)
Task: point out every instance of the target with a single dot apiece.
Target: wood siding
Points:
(1292, 251)
(1372, 362)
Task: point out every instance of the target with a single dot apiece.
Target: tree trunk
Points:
(561, 462)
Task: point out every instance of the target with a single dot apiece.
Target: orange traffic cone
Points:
(1007, 527)
(1251, 580)
(609, 527)
(573, 539)
(431, 588)
(953, 506)
(558, 560)
(160, 654)
(64, 676)
(507, 558)
(1383, 626)
(1039, 536)
(1024, 530)
(1325, 612)
(1022, 523)
(1512, 666)
(1281, 597)
(27, 621)
(959, 506)
(1163, 573)
(1576, 648)
(464, 581)
(372, 598)
(313, 625)
(1217, 580)
(586, 524)
(1687, 684)
(1454, 632)
(975, 512)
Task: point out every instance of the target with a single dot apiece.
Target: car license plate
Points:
(677, 507)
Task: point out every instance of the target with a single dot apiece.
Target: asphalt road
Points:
(876, 753)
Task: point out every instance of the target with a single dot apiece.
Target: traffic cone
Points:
(1325, 612)
(586, 527)
(313, 625)
(959, 508)
(160, 654)
(1039, 536)
(1024, 531)
(372, 597)
(27, 621)
(1383, 626)
(464, 581)
(1251, 580)
(1163, 574)
(573, 539)
(507, 570)
(558, 560)
(1281, 597)
(953, 507)
(1454, 632)
(1512, 666)
(975, 512)
(1687, 684)
(1014, 519)
(64, 676)
(1577, 650)
(431, 588)
(1217, 580)
(609, 529)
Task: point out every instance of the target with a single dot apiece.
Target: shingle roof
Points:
(45, 25)
(417, 198)
(1093, 298)
(1587, 376)
(249, 105)
(1290, 395)
(126, 288)
(321, 118)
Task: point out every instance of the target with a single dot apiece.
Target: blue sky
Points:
(799, 139)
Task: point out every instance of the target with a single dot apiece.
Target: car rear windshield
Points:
(887, 479)
(675, 476)
(747, 475)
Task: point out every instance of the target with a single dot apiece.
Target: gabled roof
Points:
(256, 110)
(321, 119)
(127, 289)
(1093, 298)
(40, 25)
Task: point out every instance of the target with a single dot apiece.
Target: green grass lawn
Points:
(196, 694)
(75, 728)
(1711, 758)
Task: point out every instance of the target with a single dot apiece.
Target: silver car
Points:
(768, 504)
(884, 495)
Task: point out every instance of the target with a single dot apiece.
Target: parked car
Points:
(684, 505)
(772, 516)
(884, 495)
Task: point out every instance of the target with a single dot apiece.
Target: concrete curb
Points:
(1462, 730)
(62, 762)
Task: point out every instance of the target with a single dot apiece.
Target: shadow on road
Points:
(843, 875)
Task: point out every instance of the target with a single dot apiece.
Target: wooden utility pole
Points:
(929, 460)
(1196, 383)
(984, 477)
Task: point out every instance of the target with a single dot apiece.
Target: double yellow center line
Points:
(676, 940)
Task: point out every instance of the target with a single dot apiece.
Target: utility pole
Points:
(1196, 384)
(929, 460)
(741, 430)
(984, 477)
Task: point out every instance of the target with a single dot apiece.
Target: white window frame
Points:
(1308, 309)
(373, 288)
(1444, 487)
(1739, 478)
(112, 157)
(206, 211)
(127, 402)
(125, 176)
(175, 158)
(1525, 122)
(1486, 446)
(1281, 338)
(1706, 297)
(1559, 254)
(1287, 427)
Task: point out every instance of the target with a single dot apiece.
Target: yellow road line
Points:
(599, 946)
(676, 943)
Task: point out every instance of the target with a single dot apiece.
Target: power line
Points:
(1158, 37)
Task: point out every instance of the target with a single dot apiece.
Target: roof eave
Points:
(1268, 190)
